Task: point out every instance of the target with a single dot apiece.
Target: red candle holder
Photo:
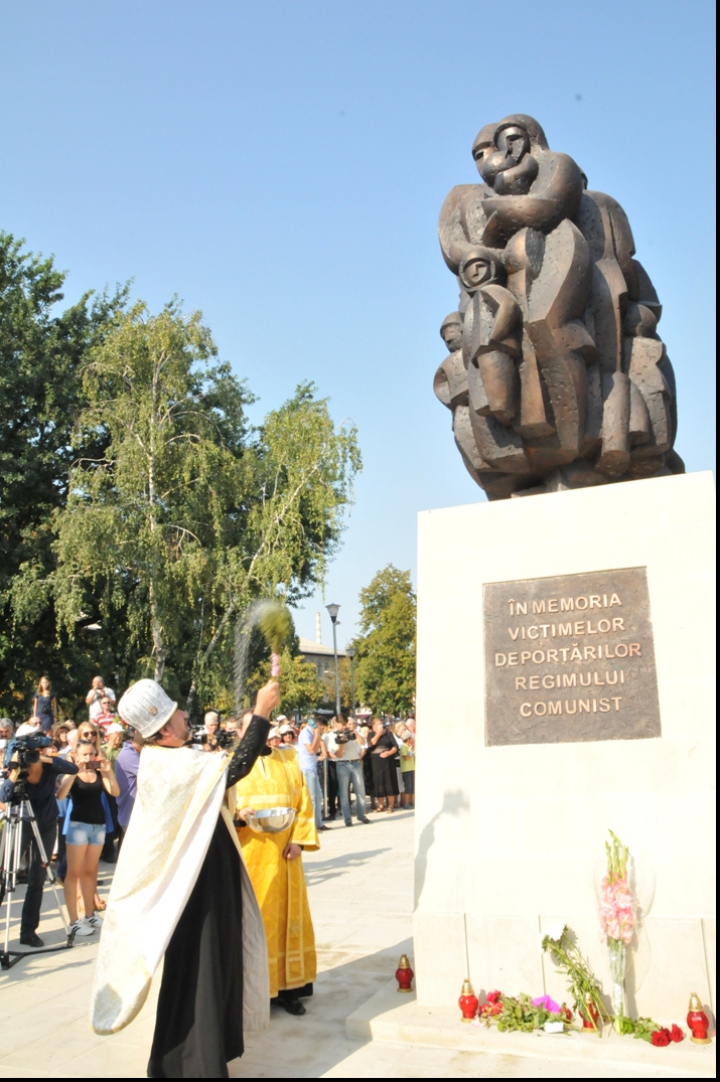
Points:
(590, 1017)
(468, 1002)
(698, 1022)
(404, 974)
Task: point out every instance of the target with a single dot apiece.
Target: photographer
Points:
(95, 696)
(33, 773)
(213, 736)
(343, 747)
(181, 890)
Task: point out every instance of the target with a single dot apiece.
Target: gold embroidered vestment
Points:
(277, 781)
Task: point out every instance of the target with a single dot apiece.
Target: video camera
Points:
(26, 750)
(342, 736)
(222, 739)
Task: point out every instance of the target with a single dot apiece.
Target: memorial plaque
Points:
(570, 658)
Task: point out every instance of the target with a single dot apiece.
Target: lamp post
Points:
(351, 654)
(334, 610)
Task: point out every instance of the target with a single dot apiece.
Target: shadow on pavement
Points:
(310, 1046)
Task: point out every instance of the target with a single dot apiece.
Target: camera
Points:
(221, 738)
(25, 750)
(343, 735)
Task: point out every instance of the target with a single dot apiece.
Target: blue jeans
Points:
(313, 783)
(347, 772)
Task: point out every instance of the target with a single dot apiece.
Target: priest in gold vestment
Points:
(274, 863)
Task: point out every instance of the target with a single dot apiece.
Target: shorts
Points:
(85, 833)
(408, 777)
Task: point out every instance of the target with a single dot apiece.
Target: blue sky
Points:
(281, 166)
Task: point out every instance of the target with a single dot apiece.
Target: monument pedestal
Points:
(518, 783)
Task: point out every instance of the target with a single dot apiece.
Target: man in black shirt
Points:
(41, 784)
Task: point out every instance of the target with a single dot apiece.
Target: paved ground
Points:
(361, 896)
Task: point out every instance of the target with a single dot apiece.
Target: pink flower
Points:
(547, 1003)
(617, 918)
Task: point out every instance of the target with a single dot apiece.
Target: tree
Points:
(141, 521)
(42, 354)
(300, 686)
(385, 660)
(188, 513)
(298, 487)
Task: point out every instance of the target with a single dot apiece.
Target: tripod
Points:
(19, 812)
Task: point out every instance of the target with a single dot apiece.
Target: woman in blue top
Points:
(45, 704)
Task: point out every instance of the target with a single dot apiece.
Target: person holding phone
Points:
(86, 832)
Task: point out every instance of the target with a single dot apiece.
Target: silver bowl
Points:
(271, 820)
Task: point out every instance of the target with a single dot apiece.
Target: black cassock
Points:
(199, 1023)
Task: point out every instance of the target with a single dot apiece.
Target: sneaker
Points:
(95, 921)
(81, 927)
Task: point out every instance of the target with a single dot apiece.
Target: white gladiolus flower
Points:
(555, 931)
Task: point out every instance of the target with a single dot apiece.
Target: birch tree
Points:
(190, 513)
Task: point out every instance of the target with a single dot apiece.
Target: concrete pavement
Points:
(361, 891)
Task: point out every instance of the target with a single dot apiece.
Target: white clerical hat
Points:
(146, 707)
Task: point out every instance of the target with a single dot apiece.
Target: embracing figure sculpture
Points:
(556, 377)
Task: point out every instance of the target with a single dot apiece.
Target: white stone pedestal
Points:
(513, 836)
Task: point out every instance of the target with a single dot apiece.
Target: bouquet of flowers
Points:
(617, 917)
(582, 982)
(522, 1013)
(647, 1030)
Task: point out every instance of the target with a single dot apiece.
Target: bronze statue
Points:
(556, 376)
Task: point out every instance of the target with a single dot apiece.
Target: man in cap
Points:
(181, 890)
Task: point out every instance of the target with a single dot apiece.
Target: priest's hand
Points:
(291, 851)
(244, 812)
(268, 699)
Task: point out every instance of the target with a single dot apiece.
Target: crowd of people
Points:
(82, 787)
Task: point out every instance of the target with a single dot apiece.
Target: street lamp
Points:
(351, 654)
(333, 611)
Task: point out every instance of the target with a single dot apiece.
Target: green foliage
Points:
(300, 688)
(640, 1028)
(518, 1013)
(583, 985)
(305, 466)
(140, 513)
(617, 858)
(143, 522)
(276, 626)
(385, 662)
(42, 354)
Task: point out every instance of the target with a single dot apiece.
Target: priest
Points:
(181, 890)
(274, 862)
